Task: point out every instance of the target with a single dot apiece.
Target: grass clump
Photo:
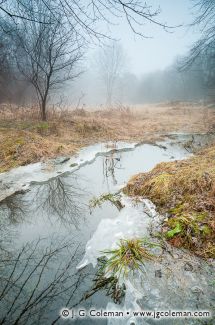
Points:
(116, 265)
(130, 255)
(185, 190)
(114, 198)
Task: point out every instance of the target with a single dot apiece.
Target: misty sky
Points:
(143, 55)
(158, 52)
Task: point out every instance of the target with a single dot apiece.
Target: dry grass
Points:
(24, 138)
(18, 147)
(186, 190)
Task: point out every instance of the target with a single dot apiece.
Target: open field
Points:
(25, 139)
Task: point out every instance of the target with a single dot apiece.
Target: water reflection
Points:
(7, 233)
(37, 280)
(110, 164)
(40, 278)
(62, 197)
(15, 207)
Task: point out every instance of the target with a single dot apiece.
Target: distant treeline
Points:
(177, 82)
(173, 83)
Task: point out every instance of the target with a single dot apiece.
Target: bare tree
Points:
(46, 54)
(5, 68)
(201, 57)
(86, 15)
(49, 34)
(110, 64)
(204, 21)
(205, 13)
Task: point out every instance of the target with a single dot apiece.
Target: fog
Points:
(169, 84)
(129, 64)
(151, 64)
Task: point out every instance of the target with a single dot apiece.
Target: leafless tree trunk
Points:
(46, 53)
(110, 63)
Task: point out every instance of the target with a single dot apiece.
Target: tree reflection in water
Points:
(37, 281)
(40, 278)
(110, 164)
(7, 233)
(62, 196)
(15, 207)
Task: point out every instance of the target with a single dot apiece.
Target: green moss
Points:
(206, 231)
(190, 230)
(176, 230)
(177, 210)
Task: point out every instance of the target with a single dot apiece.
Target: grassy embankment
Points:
(25, 139)
(185, 190)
